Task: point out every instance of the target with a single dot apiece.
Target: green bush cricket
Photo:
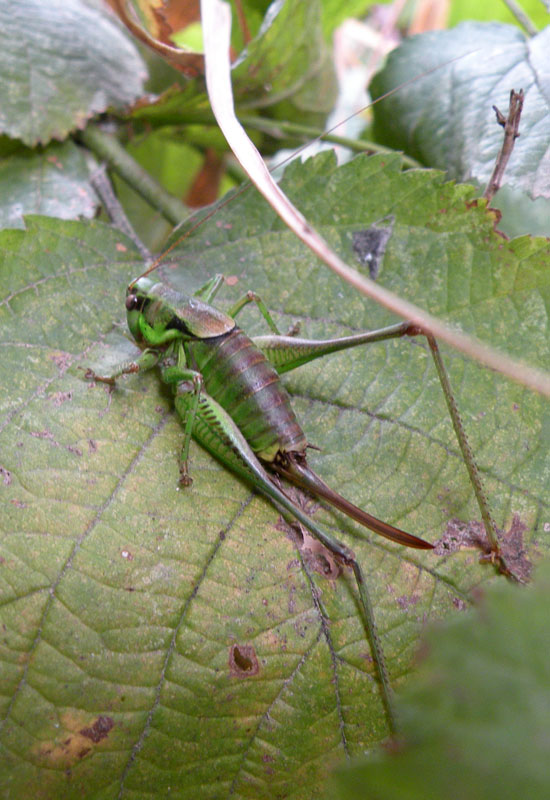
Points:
(229, 397)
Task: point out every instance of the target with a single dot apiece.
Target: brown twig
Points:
(511, 133)
(104, 189)
(106, 147)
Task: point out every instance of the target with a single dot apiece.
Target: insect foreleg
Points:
(210, 289)
(147, 360)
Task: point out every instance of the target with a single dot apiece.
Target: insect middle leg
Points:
(211, 287)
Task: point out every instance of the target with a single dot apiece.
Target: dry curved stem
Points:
(188, 62)
(216, 18)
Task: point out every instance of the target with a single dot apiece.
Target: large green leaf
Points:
(159, 642)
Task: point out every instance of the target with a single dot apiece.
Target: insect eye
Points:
(131, 302)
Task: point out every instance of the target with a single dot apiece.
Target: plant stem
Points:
(524, 20)
(102, 185)
(278, 128)
(109, 149)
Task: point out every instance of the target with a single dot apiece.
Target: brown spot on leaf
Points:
(292, 599)
(512, 560)
(405, 601)
(42, 435)
(18, 503)
(319, 558)
(514, 552)
(459, 534)
(75, 742)
(316, 555)
(99, 730)
(58, 398)
(61, 360)
(5, 475)
(243, 662)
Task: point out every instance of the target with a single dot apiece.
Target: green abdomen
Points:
(248, 387)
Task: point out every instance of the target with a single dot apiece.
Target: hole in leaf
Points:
(243, 662)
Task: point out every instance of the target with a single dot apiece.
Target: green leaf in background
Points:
(159, 642)
(252, 12)
(52, 181)
(335, 12)
(291, 34)
(304, 90)
(497, 11)
(476, 716)
(446, 118)
(61, 63)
